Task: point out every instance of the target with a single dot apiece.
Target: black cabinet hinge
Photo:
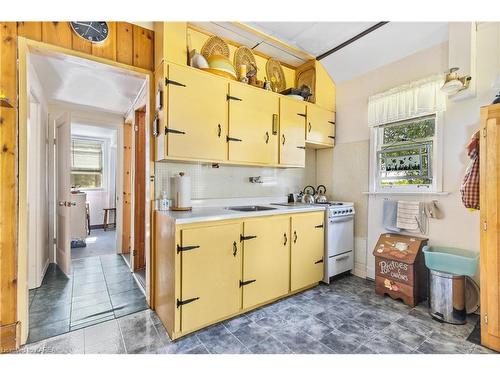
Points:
(244, 238)
(175, 83)
(318, 226)
(186, 301)
(134, 253)
(232, 139)
(331, 122)
(173, 131)
(331, 136)
(301, 114)
(243, 283)
(301, 147)
(229, 97)
(186, 248)
(319, 261)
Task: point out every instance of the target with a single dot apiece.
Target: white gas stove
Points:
(339, 238)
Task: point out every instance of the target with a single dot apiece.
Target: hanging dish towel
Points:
(470, 185)
(408, 215)
(390, 215)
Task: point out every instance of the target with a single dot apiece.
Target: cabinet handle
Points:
(285, 239)
(267, 137)
(294, 236)
(186, 301)
(231, 139)
(310, 127)
(283, 137)
(175, 83)
(173, 131)
(243, 283)
(186, 248)
(319, 261)
(219, 130)
(275, 124)
(301, 114)
(235, 249)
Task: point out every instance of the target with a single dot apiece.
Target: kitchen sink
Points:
(250, 208)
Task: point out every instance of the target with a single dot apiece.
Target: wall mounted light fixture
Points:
(453, 83)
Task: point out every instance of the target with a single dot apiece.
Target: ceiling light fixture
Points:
(453, 83)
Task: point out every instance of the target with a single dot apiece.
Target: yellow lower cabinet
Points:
(292, 140)
(253, 125)
(307, 238)
(197, 114)
(210, 274)
(320, 127)
(266, 259)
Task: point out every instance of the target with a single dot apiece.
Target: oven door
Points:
(340, 235)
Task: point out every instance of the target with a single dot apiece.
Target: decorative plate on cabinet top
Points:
(308, 78)
(243, 56)
(275, 75)
(215, 46)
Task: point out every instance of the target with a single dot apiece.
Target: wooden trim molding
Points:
(8, 189)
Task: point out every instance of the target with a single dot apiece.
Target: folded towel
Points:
(390, 215)
(408, 215)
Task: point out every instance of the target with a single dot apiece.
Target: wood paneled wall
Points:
(8, 188)
(128, 44)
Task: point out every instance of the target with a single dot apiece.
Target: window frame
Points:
(435, 165)
(104, 172)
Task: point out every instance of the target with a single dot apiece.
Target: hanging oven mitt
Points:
(470, 185)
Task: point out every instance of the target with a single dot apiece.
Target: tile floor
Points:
(99, 242)
(101, 288)
(345, 317)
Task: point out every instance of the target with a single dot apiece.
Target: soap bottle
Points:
(164, 203)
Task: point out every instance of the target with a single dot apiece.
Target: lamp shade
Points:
(452, 87)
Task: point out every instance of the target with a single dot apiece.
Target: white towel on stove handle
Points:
(408, 216)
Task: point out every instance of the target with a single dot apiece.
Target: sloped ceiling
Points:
(386, 44)
(82, 82)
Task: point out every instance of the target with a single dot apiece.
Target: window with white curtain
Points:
(405, 133)
(87, 163)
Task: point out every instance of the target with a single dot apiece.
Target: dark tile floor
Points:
(101, 288)
(345, 317)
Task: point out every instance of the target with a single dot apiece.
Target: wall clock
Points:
(94, 32)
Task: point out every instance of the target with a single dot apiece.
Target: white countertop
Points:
(204, 214)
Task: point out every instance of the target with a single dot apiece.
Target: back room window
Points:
(86, 163)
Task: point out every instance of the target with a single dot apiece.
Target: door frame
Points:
(25, 47)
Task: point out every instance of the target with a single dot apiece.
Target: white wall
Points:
(38, 208)
(345, 169)
(230, 181)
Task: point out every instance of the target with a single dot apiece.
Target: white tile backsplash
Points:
(230, 181)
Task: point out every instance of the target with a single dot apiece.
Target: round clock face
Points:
(94, 32)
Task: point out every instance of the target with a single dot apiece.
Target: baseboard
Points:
(359, 270)
(10, 337)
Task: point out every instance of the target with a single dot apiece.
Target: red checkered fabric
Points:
(470, 184)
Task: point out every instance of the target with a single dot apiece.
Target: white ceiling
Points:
(389, 43)
(83, 82)
(84, 130)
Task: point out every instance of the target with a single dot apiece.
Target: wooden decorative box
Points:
(400, 270)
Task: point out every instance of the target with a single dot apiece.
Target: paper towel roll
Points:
(182, 192)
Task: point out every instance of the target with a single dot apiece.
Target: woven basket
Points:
(215, 46)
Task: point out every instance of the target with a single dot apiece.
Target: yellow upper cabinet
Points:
(320, 127)
(253, 125)
(266, 259)
(211, 269)
(292, 140)
(197, 114)
(325, 88)
(170, 42)
(307, 249)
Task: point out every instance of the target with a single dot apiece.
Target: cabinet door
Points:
(211, 270)
(197, 114)
(320, 127)
(307, 249)
(253, 122)
(266, 259)
(490, 232)
(292, 137)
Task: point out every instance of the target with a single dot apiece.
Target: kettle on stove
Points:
(320, 196)
(307, 195)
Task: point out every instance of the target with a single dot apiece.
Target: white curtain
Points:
(414, 99)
